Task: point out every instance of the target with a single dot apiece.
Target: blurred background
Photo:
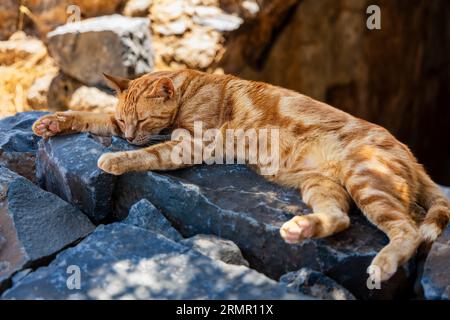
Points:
(397, 76)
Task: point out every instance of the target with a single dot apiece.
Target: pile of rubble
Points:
(183, 234)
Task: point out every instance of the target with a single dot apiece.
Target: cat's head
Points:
(145, 106)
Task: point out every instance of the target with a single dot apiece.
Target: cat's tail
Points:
(433, 199)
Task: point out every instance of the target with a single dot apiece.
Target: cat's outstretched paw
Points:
(112, 163)
(53, 124)
(298, 229)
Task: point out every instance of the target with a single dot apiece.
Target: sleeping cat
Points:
(329, 155)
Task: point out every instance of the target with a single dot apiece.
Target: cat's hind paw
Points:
(384, 266)
(298, 229)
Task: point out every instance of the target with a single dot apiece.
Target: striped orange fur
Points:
(329, 155)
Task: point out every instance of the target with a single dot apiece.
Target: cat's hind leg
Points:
(330, 204)
(379, 198)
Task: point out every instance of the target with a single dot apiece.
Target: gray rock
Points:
(16, 134)
(234, 203)
(20, 275)
(35, 224)
(173, 28)
(18, 144)
(23, 163)
(216, 248)
(115, 143)
(435, 279)
(38, 92)
(92, 99)
(2, 242)
(124, 44)
(144, 215)
(219, 21)
(120, 261)
(316, 284)
(119, 144)
(67, 166)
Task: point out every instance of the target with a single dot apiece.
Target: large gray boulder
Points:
(114, 44)
(436, 273)
(67, 166)
(34, 224)
(18, 144)
(234, 203)
(120, 261)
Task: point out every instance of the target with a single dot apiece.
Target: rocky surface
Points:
(67, 166)
(16, 134)
(124, 44)
(435, 279)
(92, 99)
(222, 210)
(60, 92)
(38, 92)
(120, 261)
(214, 18)
(191, 33)
(315, 284)
(216, 248)
(18, 144)
(67, 93)
(208, 200)
(34, 224)
(144, 215)
(235, 203)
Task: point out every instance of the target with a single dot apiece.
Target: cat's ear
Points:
(163, 89)
(117, 83)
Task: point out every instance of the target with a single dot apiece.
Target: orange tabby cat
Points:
(327, 154)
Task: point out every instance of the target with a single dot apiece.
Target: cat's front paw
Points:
(298, 229)
(53, 124)
(113, 163)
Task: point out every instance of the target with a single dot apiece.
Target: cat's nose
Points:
(129, 138)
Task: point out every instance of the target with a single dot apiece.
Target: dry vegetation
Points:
(18, 73)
